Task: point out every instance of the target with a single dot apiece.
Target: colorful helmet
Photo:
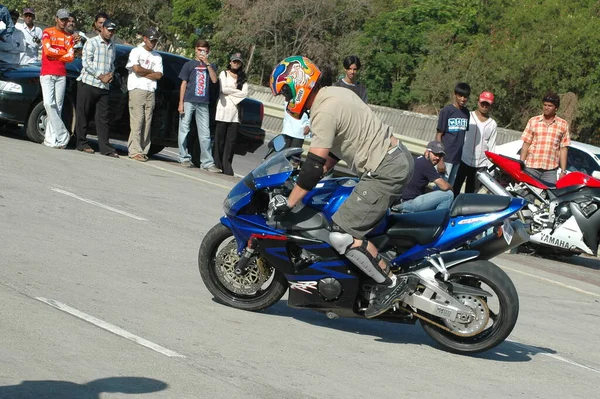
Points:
(295, 77)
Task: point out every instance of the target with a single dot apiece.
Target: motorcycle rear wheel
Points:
(503, 313)
(219, 241)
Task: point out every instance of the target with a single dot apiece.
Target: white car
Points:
(581, 157)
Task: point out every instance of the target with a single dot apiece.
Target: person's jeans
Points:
(451, 171)
(427, 202)
(53, 93)
(203, 127)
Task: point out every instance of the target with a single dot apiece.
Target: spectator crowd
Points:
(54, 47)
(454, 157)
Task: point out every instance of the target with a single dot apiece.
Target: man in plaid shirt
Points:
(98, 65)
(546, 141)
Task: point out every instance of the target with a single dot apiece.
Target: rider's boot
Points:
(387, 295)
(389, 289)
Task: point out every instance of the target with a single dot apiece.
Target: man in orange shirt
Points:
(546, 142)
(57, 50)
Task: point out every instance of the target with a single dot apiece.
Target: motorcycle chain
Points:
(441, 326)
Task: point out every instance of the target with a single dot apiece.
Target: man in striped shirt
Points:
(546, 142)
(98, 59)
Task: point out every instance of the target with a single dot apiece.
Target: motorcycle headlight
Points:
(231, 201)
(10, 87)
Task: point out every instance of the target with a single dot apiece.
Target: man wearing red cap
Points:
(479, 138)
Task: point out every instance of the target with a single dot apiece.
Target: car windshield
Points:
(278, 163)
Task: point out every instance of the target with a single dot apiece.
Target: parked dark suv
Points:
(21, 103)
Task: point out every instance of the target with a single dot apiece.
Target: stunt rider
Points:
(344, 127)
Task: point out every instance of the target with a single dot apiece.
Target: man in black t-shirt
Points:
(453, 123)
(413, 197)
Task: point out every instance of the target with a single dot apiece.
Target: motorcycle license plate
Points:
(507, 231)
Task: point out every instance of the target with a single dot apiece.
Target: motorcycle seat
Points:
(474, 204)
(304, 219)
(419, 227)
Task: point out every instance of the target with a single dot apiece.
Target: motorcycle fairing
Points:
(457, 230)
(515, 168)
(590, 225)
(566, 236)
(577, 179)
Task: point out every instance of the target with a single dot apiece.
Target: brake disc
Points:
(467, 325)
(256, 275)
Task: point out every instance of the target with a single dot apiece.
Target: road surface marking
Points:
(535, 350)
(552, 282)
(58, 190)
(188, 176)
(109, 327)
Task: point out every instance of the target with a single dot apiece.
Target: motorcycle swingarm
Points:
(437, 301)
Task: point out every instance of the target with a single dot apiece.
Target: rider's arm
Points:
(442, 184)
(332, 160)
(298, 192)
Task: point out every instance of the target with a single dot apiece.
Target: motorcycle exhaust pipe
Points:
(495, 244)
(492, 184)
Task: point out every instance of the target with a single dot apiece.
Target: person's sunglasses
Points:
(484, 104)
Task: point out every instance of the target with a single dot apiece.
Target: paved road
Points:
(101, 297)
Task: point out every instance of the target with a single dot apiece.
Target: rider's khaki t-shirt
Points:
(342, 122)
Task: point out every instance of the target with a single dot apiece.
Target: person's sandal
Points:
(139, 157)
(87, 150)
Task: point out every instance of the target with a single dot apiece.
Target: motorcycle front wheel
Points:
(261, 286)
(501, 310)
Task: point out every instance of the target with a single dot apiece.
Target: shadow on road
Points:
(510, 351)
(13, 132)
(407, 334)
(583, 260)
(69, 390)
(386, 332)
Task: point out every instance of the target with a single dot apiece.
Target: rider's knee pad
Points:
(359, 256)
(341, 242)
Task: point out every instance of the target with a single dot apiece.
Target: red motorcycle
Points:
(562, 219)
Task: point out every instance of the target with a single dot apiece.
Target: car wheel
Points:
(38, 119)
(36, 123)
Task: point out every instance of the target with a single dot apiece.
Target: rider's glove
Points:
(278, 207)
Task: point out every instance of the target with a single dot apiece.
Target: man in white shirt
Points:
(145, 69)
(13, 45)
(479, 138)
(33, 37)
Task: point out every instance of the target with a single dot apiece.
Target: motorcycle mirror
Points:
(278, 142)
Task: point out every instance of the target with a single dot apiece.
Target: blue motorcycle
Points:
(463, 301)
